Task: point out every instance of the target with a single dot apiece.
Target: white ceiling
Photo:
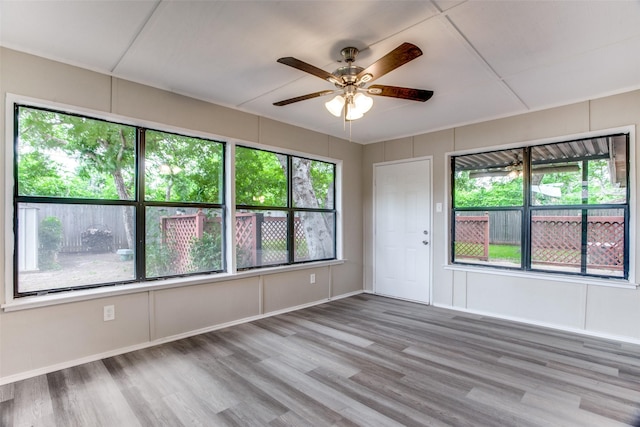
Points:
(483, 59)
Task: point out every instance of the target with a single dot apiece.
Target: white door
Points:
(402, 230)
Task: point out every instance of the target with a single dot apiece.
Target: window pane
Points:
(492, 238)
(314, 236)
(63, 246)
(488, 179)
(261, 238)
(261, 178)
(182, 169)
(605, 186)
(558, 171)
(183, 241)
(556, 240)
(60, 155)
(312, 184)
(556, 184)
(605, 242)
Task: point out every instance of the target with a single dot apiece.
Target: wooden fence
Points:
(79, 219)
(555, 240)
(260, 240)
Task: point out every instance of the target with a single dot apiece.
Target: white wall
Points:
(588, 308)
(41, 339)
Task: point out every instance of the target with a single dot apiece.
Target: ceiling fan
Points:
(351, 101)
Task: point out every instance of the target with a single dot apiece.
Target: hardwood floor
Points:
(364, 360)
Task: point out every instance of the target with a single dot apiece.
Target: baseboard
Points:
(595, 334)
(94, 357)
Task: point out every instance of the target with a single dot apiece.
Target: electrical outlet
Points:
(109, 312)
(312, 278)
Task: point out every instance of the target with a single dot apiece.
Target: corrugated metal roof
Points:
(613, 148)
(606, 147)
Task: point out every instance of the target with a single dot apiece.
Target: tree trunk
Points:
(127, 213)
(317, 230)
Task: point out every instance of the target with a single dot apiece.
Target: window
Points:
(99, 203)
(285, 209)
(560, 207)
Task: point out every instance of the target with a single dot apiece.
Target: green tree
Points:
(261, 178)
(89, 152)
(180, 168)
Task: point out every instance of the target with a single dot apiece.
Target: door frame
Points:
(374, 223)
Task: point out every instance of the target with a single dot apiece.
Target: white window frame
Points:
(12, 303)
(630, 282)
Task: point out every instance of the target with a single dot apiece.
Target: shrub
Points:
(50, 241)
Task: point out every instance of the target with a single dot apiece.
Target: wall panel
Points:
(39, 339)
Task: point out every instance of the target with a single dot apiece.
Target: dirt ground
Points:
(78, 270)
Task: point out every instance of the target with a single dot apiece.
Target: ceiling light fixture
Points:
(353, 106)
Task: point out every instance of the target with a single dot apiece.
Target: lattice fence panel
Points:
(605, 247)
(556, 240)
(260, 240)
(247, 240)
(302, 250)
(472, 237)
(274, 240)
(178, 234)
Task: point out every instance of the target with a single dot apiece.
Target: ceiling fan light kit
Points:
(356, 105)
(351, 101)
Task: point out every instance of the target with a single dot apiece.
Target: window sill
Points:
(31, 302)
(550, 277)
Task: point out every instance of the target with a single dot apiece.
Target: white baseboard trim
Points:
(92, 358)
(595, 334)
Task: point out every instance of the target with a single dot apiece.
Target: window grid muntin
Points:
(528, 208)
(292, 210)
(137, 202)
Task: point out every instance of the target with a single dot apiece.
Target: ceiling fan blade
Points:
(303, 97)
(400, 92)
(399, 56)
(308, 68)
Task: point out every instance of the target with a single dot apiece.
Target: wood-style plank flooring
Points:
(364, 360)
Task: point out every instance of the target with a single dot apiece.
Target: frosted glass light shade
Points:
(353, 113)
(335, 105)
(362, 102)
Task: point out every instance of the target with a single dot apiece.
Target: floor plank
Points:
(360, 361)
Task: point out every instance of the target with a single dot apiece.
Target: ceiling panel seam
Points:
(143, 25)
(485, 62)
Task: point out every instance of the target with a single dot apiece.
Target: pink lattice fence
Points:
(261, 240)
(472, 237)
(556, 240)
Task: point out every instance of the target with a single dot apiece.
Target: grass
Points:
(504, 252)
(500, 252)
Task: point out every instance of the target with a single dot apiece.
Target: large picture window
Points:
(560, 207)
(99, 203)
(285, 209)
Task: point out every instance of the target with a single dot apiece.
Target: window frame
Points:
(12, 302)
(138, 203)
(528, 208)
(290, 210)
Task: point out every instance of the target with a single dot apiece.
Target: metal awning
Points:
(612, 148)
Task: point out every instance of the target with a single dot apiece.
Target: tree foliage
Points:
(567, 188)
(488, 191)
(67, 156)
(182, 169)
(261, 179)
